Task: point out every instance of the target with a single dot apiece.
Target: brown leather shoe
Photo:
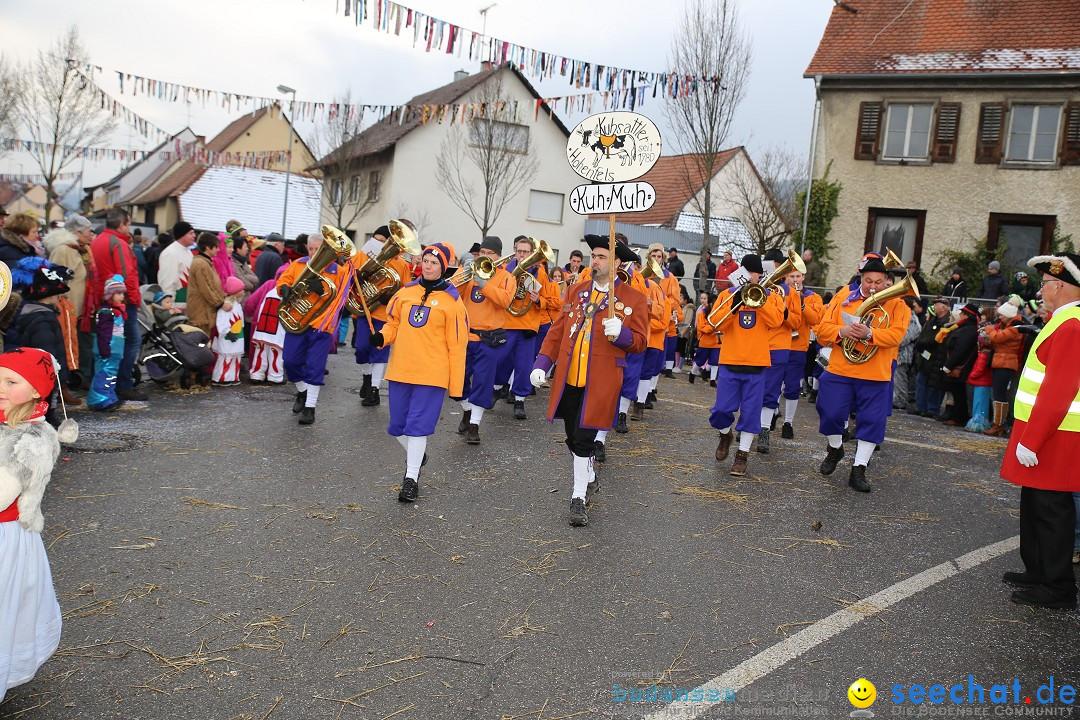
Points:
(638, 411)
(724, 446)
(472, 435)
(69, 399)
(738, 468)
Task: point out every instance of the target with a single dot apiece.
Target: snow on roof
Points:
(987, 60)
(255, 198)
(730, 231)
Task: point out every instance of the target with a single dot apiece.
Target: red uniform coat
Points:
(1055, 448)
(607, 359)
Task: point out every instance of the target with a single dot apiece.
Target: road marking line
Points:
(788, 649)
(693, 405)
(922, 445)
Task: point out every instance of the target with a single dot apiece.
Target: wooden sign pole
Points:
(611, 280)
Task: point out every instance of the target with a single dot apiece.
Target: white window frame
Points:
(374, 184)
(907, 156)
(502, 131)
(1057, 108)
(562, 207)
(354, 189)
(335, 191)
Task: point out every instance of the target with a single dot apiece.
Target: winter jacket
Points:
(980, 375)
(268, 263)
(703, 277)
(38, 326)
(675, 265)
(1008, 343)
(14, 248)
(955, 289)
(243, 271)
(994, 286)
(113, 256)
(204, 294)
(961, 347)
(927, 344)
(63, 248)
(28, 453)
(1026, 292)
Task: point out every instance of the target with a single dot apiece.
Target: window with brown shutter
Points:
(946, 133)
(991, 132)
(868, 132)
(1070, 141)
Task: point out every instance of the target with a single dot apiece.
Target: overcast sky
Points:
(251, 46)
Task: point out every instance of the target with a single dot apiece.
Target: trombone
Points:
(754, 294)
(483, 268)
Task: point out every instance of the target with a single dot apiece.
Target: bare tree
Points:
(351, 179)
(710, 45)
(418, 215)
(764, 196)
(10, 89)
(485, 165)
(60, 110)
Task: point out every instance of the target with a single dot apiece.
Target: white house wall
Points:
(725, 190)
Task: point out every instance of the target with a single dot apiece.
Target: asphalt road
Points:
(215, 560)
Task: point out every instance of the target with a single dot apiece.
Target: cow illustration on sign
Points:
(624, 146)
(613, 147)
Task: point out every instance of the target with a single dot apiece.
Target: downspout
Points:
(810, 164)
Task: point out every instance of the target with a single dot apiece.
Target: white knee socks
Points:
(835, 441)
(582, 476)
(643, 388)
(669, 364)
(863, 452)
(377, 372)
(712, 372)
(601, 435)
(414, 456)
(312, 395)
(653, 382)
(477, 415)
(301, 386)
(746, 440)
(624, 404)
(766, 417)
(790, 406)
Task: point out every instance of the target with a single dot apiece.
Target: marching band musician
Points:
(305, 354)
(779, 349)
(865, 387)
(653, 364)
(707, 353)
(744, 356)
(588, 349)
(812, 309)
(520, 349)
(670, 285)
(372, 361)
(429, 332)
(485, 301)
(1041, 456)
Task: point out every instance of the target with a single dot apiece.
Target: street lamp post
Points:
(285, 90)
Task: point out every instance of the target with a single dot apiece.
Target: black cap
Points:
(872, 262)
(181, 229)
(382, 230)
(775, 255)
(1063, 266)
(491, 242)
(47, 282)
(622, 251)
(752, 263)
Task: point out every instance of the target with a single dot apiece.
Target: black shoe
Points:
(651, 396)
(1020, 579)
(307, 416)
(298, 402)
(590, 491)
(472, 434)
(648, 404)
(366, 387)
(812, 397)
(763, 441)
(787, 432)
(578, 516)
(857, 478)
(510, 399)
(772, 424)
(668, 373)
(499, 393)
(463, 426)
(712, 383)
(1040, 596)
(410, 490)
(620, 427)
(372, 398)
(599, 452)
(690, 376)
(519, 410)
(834, 456)
(132, 394)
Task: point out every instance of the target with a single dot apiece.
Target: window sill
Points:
(546, 222)
(906, 162)
(1014, 165)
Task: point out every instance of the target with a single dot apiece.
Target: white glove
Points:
(1026, 457)
(612, 327)
(537, 377)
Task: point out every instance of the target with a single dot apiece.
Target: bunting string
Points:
(177, 150)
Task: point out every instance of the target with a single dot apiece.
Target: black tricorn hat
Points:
(622, 250)
(1064, 266)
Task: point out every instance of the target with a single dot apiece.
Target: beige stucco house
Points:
(395, 162)
(950, 123)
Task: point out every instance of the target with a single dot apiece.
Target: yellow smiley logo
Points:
(862, 693)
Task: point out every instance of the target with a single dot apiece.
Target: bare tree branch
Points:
(10, 90)
(483, 167)
(709, 43)
(59, 109)
(765, 197)
(350, 183)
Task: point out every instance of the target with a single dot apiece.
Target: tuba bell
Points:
(871, 312)
(652, 270)
(521, 302)
(374, 280)
(313, 292)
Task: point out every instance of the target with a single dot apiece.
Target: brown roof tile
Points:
(949, 36)
(676, 179)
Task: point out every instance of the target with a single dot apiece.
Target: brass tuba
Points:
(313, 291)
(521, 302)
(652, 270)
(872, 313)
(374, 279)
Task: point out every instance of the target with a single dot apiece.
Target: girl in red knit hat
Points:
(29, 614)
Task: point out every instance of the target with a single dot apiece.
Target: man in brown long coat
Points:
(588, 349)
(204, 292)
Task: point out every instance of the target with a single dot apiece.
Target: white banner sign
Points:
(612, 198)
(613, 147)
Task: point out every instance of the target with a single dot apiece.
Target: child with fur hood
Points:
(30, 618)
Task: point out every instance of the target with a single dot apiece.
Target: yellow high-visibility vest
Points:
(1034, 372)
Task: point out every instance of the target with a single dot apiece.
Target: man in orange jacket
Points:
(864, 388)
(670, 285)
(812, 309)
(779, 349)
(304, 354)
(486, 300)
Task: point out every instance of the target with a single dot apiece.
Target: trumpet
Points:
(521, 302)
(754, 294)
(483, 268)
(304, 302)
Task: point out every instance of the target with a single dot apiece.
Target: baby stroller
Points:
(170, 346)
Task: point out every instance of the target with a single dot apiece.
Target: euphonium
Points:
(481, 268)
(521, 302)
(304, 302)
(374, 279)
(652, 270)
(871, 312)
(754, 293)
